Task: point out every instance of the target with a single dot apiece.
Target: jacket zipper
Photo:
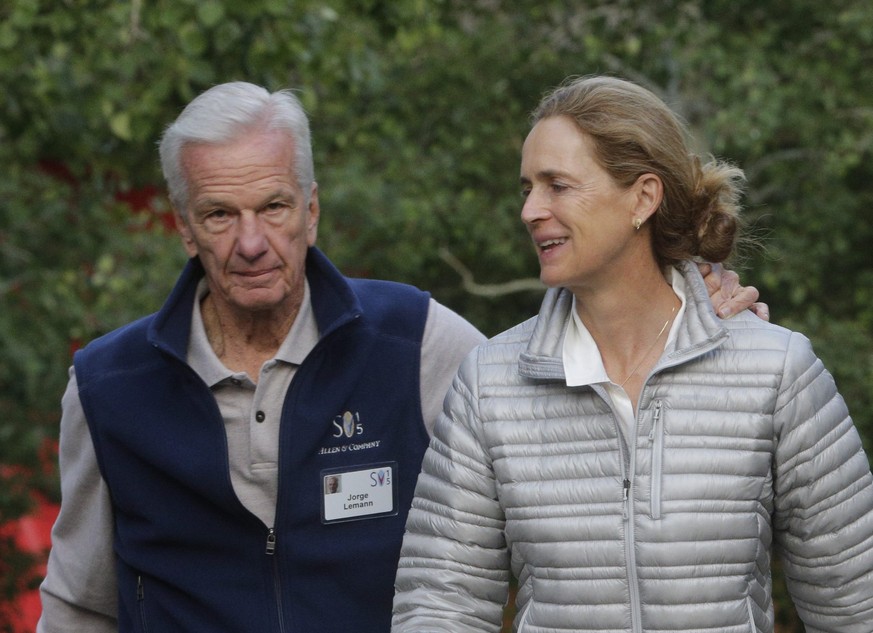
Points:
(656, 440)
(277, 584)
(627, 456)
(630, 557)
(626, 484)
(629, 464)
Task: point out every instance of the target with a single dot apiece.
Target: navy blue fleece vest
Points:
(190, 556)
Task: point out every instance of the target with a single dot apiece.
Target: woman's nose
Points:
(534, 207)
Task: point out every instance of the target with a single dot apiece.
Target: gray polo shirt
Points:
(251, 411)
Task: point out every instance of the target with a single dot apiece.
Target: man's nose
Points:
(252, 239)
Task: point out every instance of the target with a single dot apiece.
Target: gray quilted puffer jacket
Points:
(742, 442)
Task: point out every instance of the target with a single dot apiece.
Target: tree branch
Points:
(469, 284)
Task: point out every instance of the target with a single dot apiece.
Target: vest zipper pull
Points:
(271, 542)
(140, 594)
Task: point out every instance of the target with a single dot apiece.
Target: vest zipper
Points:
(140, 601)
(277, 583)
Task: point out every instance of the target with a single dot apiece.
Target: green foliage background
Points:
(418, 111)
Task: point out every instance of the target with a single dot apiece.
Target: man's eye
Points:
(558, 187)
(525, 192)
(216, 214)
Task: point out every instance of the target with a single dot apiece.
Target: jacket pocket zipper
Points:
(656, 437)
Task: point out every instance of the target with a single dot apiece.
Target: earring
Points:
(637, 223)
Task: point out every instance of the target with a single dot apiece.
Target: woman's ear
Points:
(649, 192)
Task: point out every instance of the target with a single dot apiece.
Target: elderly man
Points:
(244, 459)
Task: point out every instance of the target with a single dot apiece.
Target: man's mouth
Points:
(253, 274)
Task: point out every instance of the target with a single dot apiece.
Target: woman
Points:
(627, 455)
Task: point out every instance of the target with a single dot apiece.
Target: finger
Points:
(711, 276)
(742, 299)
(761, 310)
(730, 285)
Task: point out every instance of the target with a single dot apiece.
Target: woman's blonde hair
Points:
(635, 133)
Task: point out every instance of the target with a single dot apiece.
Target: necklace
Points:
(649, 351)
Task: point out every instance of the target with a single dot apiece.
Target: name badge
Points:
(362, 493)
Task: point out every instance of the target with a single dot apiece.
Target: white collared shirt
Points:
(583, 364)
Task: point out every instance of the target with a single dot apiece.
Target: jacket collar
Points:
(334, 303)
(699, 331)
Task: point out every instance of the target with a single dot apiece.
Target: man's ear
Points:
(313, 214)
(185, 233)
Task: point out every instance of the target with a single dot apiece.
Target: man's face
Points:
(248, 221)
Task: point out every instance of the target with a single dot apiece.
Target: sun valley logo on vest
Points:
(346, 426)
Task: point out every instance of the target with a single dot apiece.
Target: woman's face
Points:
(580, 220)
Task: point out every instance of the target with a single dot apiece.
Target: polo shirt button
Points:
(259, 416)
